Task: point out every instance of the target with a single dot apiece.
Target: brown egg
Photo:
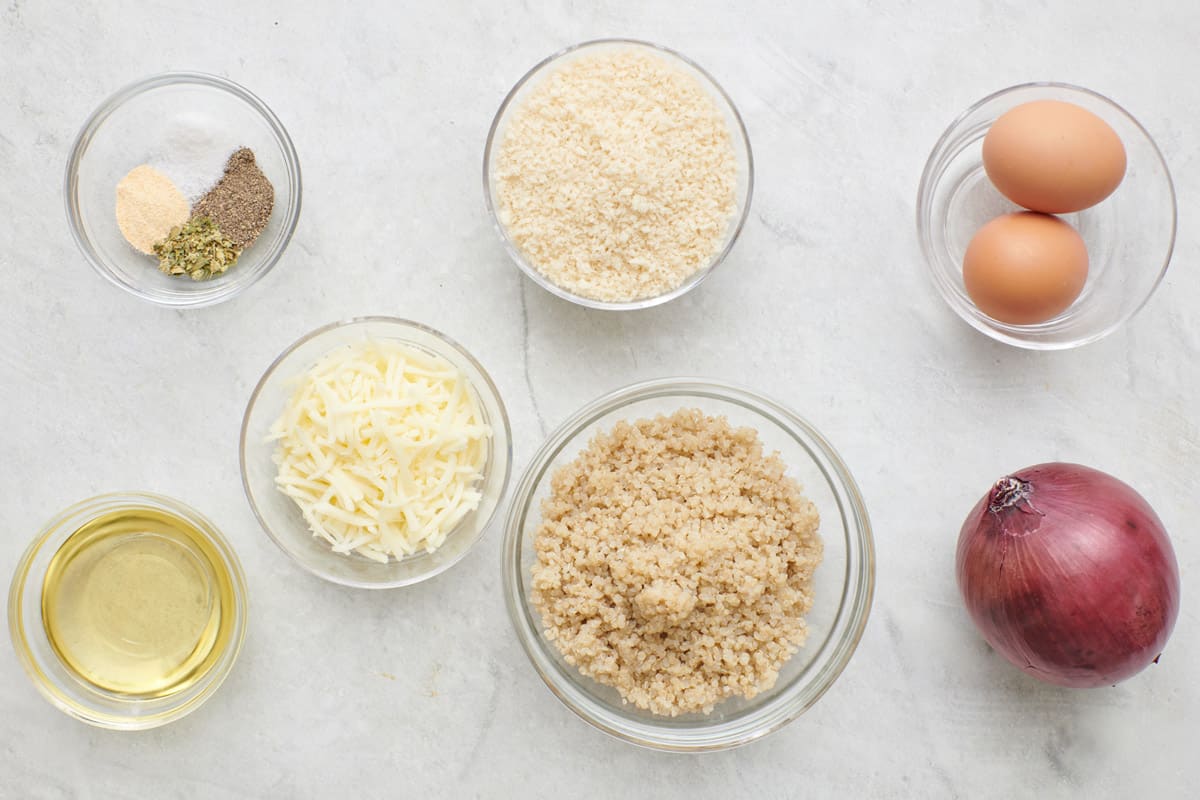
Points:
(1054, 157)
(1025, 268)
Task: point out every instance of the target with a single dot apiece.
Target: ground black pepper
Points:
(241, 202)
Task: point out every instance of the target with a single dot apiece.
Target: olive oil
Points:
(138, 602)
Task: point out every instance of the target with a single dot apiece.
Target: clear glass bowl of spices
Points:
(183, 189)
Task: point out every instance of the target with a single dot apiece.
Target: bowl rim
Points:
(489, 386)
(1004, 332)
(695, 279)
(88, 509)
(855, 602)
(106, 109)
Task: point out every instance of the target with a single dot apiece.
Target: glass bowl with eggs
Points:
(1046, 215)
(375, 452)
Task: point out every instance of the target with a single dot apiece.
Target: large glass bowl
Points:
(737, 130)
(60, 685)
(1129, 236)
(131, 127)
(844, 582)
(280, 516)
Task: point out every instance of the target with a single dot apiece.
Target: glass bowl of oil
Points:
(128, 610)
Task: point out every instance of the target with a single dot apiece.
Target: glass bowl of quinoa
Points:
(185, 127)
(618, 174)
(688, 564)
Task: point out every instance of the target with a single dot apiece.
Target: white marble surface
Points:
(823, 304)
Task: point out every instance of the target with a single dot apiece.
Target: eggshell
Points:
(1025, 268)
(1053, 156)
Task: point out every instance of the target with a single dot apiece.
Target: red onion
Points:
(1068, 573)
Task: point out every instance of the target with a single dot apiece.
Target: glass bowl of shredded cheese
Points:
(653, 590)
(618, 174)
(375, 452)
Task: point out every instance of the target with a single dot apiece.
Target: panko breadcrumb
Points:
(616, 175)
(675, 562)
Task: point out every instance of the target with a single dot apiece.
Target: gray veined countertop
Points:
(823, 304)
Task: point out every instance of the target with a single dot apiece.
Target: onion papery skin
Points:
(1068, 573)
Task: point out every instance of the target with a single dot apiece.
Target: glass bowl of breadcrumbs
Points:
(688, 564)
(618, 174)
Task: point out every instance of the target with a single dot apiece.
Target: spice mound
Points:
(616, 176)
(197, 249)
(149, 205)
(675, 562)
(382, 446)
(241, 202)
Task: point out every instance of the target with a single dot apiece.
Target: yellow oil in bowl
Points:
(138, 602)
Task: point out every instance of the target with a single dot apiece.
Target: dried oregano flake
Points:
(197, 249)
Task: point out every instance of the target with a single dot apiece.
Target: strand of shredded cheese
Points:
(382, 446)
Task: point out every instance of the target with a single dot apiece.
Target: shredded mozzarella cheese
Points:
(382, 446)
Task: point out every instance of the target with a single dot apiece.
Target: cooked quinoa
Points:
(675, 562)
(616, 175)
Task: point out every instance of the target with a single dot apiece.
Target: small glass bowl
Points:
(1129, 236)
(737, 131)
(844, 582)
(131, 127)
(60, 685)
(280, 516)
